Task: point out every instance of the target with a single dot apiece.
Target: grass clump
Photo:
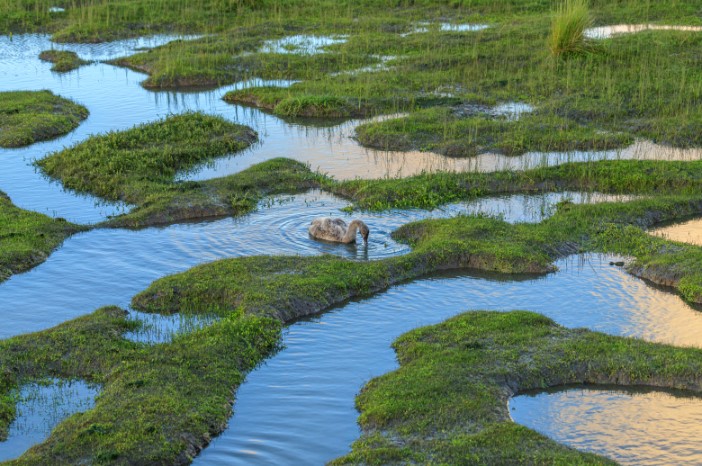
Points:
(63, 60)
(30, 116)
(568, 27)
(138, 166)
(130, 165)
(27, 238)
(447, 403)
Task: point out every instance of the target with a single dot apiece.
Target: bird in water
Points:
(336, 230)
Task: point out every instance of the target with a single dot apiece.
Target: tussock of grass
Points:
(138, 166)
(568, 27)
(131, 165)
(27, 238)
(447, 403)
(63, 60)
(30, 116)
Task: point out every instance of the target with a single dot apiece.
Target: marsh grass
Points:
(63, 60)
(571, 19)
(27, 238)
(457, 377)
(30, 116)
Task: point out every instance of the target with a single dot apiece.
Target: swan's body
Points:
(336, 230)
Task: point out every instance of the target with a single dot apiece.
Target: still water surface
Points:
(631, 427)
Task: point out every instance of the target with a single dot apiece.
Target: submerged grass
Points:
(30, 116)
(447, 403)
(63, 60)
(27, 238)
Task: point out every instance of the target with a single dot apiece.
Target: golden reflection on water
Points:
(649, 428)
(688, 232)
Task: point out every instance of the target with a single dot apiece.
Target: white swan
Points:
(336, 230)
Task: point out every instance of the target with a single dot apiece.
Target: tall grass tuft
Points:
(570, 21)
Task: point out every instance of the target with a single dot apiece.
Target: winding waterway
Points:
(298, 407)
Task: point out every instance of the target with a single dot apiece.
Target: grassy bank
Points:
(447, 403)
(27, 238)
(138, 166)
(158, 405)
(292, 287)
(63, 60)
(30, 116)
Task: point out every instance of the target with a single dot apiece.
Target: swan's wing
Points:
(339, 222)
(327, 228)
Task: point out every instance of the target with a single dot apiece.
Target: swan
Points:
(336, 230)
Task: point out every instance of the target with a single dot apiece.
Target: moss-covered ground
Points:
(63, 60)
(158, 405)
(447, 403)
(30, 116)
(27, 238)
(138, 166)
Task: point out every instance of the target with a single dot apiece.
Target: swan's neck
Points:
(351, 233)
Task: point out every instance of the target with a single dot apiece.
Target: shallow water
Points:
(41, 408)
(301, 44)
(298, 408)
(109, 266)
(606, 32)
(686, 232)
(631, 427)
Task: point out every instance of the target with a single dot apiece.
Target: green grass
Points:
(568, 27)
(447, 403)
(158, 405)
(27, 238)
(441, 130)
(133, 164)
(63, 60)
(138, 166)
(30, 116)
(292, 287)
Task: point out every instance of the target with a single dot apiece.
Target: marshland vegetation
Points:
(30, 116)
(162, 403)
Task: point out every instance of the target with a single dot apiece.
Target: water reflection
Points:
(687, 232)
(606, 32)
(630, 427)
(40, 408)
(298, 408)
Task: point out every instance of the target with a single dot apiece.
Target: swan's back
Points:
(327, 228)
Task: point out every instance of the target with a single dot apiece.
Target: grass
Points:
(570, 21)
(158, 405)
(30, 116)
(293, 287)
(138, 166)
(447, 403)
(442, 130)
(27, 238)
(63, 60)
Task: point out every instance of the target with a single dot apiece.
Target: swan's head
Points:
(364, 232)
